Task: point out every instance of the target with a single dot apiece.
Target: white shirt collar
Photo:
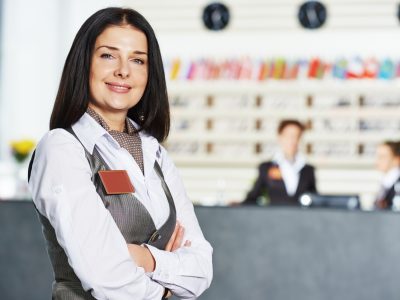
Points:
(290, 171)
(89, 132)
(298, 163)
(390, 178)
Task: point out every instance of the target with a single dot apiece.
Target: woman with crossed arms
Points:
(116, 218)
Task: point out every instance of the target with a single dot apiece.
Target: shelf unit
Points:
(233, 123)
(222, 130)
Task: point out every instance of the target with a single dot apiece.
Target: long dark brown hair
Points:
(73, 96)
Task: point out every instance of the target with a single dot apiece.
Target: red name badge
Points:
(274, 173)
(116, 182)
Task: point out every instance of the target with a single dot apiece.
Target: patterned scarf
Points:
(129, 139)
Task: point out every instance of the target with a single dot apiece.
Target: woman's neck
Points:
(290, 158)
(114, 120)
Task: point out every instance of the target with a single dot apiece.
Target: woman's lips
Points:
(116, 87)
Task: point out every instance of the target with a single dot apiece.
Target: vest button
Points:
(156, 236)
(106, 204)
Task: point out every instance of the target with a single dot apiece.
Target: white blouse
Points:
(290, 171)
(390, 178)
(63, 192)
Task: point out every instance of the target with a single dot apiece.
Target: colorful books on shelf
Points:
(247, 68)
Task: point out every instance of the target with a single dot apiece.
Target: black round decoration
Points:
(312, 14)
(216, 16)
(398, 12)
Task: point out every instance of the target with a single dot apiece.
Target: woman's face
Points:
(119, 69)
(289, 140)
(385, 159)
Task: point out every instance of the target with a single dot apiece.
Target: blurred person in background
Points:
(116, 218)
(388, 162)
(287, 176)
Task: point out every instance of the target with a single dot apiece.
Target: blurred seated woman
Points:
(287, 176)
(388, 162)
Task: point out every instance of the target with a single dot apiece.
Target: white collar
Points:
(89, 132)
(390, 178)
(298, 163)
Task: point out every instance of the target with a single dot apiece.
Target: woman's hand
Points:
(142, 257)
(175, 242)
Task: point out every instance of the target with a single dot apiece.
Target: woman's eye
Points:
(106, 56)
(138, 61)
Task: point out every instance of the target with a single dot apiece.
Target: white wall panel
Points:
(183, 15)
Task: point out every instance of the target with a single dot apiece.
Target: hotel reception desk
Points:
(259, 253)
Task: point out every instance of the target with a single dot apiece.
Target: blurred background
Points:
(235, 69)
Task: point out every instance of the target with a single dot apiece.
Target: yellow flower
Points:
(23, 147)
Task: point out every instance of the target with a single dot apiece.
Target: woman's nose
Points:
(122, 71)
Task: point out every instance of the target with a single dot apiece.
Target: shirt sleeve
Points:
(63, 192)
(188, 271)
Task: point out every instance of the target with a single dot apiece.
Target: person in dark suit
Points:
(287, 176)
(388, 162)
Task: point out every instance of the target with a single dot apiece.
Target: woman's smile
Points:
(121, 88)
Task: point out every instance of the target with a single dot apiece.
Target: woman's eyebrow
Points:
(116, 49)
(108, 47)
(140, 52)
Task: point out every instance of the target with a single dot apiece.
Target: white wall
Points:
(36, 36)
(269, 28)
(30, 52)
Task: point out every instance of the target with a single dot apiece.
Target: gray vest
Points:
(131, 217)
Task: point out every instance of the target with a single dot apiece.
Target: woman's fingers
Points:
(178, 239)
(171, 241)
(175, 242)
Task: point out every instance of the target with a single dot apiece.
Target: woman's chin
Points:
(119, 107)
